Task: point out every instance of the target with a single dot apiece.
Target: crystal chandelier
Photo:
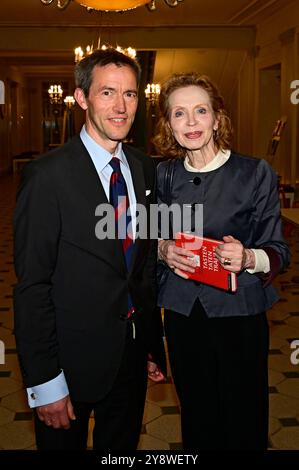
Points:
(55, 94)
(171, 3)
(108, 5)
(79, 53)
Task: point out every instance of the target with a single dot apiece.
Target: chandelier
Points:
(152, 92)
(118, 5)
(55, 94)
(79, 53)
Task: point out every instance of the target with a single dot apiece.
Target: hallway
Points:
(161, 428)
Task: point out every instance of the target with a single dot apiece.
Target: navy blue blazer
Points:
(240, 199)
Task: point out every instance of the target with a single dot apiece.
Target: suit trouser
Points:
(118, 416)
(220, 371)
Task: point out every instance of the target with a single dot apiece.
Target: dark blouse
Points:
(239, 198)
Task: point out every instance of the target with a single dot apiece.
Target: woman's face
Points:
(192, 119)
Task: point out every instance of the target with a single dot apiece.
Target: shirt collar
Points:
(220, 158)
(98, 154)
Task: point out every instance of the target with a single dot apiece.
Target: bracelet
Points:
(249, 259)
(161, 249)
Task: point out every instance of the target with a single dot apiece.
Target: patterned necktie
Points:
(120, 200)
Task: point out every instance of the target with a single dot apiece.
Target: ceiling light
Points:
(109, 5)
(103, 5)
(80, 54)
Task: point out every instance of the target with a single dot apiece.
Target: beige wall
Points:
(269, 109)
(277, 40)
(255, 105)
(242, 107)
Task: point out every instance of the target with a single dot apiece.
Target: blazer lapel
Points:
(88, 184)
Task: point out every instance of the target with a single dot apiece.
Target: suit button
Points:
(196, 181)
(123, 317)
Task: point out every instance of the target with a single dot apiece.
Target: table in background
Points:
(291, 215)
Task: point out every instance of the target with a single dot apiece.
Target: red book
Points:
(208, 270)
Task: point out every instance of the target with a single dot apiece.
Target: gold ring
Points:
(227, 262)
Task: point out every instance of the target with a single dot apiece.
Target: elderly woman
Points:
(218, 340)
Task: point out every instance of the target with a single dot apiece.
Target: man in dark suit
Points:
(79, 350)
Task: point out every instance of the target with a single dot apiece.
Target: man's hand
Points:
(57, 414)
(154, 372)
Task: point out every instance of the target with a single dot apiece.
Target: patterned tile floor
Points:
(161, 428)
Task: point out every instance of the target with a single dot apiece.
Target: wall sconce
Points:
(69, 102)
(152, 92)
(55, 94)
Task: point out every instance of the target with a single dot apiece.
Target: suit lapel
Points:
(88, 183)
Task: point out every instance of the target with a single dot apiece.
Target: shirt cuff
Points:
(48, 392)
(262, 262)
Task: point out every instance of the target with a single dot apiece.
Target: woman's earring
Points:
(215, 134)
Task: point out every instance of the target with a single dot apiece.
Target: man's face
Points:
(111, 104)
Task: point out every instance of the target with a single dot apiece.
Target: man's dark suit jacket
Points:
(72, 291)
